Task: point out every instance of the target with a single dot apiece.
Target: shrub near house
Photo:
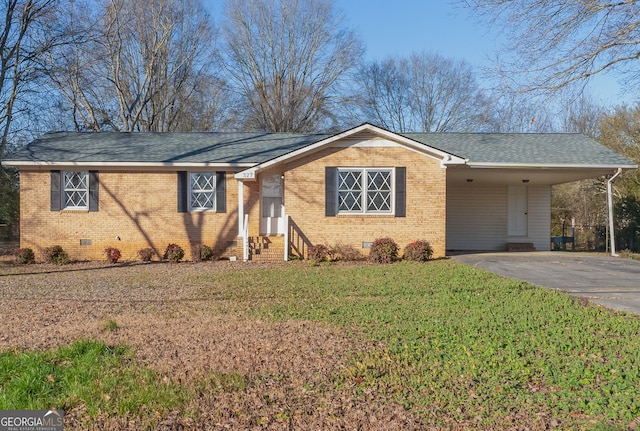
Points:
(113, 254)
(173, 253)
(56, 255)
(419, 251)
(146, 254)
(24, 255)
(383, 250)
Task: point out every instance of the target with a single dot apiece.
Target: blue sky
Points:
(405, 26)
(400, 27)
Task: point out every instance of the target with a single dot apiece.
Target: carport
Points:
(500, 197)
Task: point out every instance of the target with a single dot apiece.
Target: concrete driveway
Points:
(610, 281)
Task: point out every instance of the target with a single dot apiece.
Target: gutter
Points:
(612, 238)
(546, 165)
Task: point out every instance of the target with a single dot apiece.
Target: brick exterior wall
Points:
(138, 207)
(425, 199)
(141, 209)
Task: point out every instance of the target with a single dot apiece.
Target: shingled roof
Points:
(250, 149)
(514, 149)
(243, 149)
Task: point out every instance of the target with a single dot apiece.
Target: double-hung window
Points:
(202, 191)
(365, 190)
(371, 191)
(76, 190)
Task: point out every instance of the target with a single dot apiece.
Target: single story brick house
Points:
(272, 195)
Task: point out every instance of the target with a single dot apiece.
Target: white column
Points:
(612, 237)
(240, 208)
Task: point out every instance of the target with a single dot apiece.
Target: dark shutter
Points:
(93, 190)
(221, 192)
(330, 190)
(401, 192)
(56, 187)
(183, 192)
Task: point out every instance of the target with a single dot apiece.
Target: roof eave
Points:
(47, 163)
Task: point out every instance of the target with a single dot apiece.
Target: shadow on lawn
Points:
(65, 268)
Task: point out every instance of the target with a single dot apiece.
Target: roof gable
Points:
(364, 129)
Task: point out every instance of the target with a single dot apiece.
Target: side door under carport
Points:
(517, 198)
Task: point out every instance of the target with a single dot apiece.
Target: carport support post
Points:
(612, 237)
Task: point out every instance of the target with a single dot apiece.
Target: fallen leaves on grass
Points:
(245, 373)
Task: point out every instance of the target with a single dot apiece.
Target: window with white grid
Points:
(362, 190)
(202, 191)
(76, 190)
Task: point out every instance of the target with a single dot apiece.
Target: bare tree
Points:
(21, 47)
(582, 202)
(384, 94)
(425, 92)
(585, 201)
(558, 43)
(138, 65)
(583, 115)
(514, 113)
(287, 59)
(445, 94)
(620, 131)
(76, 69)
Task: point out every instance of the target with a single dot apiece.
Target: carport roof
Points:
(524, 149)
(250, 149)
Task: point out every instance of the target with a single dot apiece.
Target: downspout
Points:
(612, 238)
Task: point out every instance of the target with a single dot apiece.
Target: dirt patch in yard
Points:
(287, 369)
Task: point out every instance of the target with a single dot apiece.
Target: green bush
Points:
(201, 253)
(173, 253)
(146, 254)
(113, 254)
(418, 251)
(56, 255)
(318, 253)
(24, 255)
(206, 253)
(383, 250)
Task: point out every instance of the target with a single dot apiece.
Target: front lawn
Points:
(456, 346)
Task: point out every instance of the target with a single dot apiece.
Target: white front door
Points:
(517, 196)
(272, 192)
